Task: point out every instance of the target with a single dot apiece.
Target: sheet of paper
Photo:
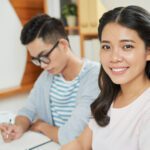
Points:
(28, 140)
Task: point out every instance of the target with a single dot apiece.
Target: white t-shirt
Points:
(129, 127)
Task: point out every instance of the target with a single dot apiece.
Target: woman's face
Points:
(123, 54)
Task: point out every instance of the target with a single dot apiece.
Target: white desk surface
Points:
(29, 140)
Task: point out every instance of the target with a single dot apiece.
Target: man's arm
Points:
(46, 129)
(22, 122)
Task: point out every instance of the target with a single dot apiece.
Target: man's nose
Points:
(43, 65)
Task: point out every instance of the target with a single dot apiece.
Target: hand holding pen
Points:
(6, 131)
(10, 131)
(7, 135)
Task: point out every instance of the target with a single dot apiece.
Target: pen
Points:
(40, 145)
(9, 124)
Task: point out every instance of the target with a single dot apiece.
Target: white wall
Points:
(13, 56)
(13, 103)
(13, 53)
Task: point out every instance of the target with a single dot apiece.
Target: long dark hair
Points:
(132, 17)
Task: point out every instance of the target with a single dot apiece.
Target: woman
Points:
(122, 110)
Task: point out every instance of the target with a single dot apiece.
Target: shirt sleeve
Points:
(30, 108)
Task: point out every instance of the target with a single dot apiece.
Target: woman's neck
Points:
(131, 92)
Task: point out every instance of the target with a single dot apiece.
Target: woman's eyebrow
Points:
(127, 40)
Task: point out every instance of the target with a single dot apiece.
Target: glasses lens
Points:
(36, 62)
(45, 60)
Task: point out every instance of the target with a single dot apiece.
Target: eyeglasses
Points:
(43, 58)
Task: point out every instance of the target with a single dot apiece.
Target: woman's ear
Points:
(148, 54)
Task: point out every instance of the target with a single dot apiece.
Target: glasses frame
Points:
(43, 58)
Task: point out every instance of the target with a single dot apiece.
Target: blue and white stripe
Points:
(63, 99)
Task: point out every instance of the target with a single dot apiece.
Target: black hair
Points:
(45, 27)
(132, 17)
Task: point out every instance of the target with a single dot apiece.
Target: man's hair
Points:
(45, 27)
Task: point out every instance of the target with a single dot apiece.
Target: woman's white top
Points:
(129, 127)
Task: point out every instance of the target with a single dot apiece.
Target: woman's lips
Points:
(119, 70)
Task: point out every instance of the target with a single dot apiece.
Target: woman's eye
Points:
(127, 47)
(105, 47)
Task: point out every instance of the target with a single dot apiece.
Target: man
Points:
(58, 105)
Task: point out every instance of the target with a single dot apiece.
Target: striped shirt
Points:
(63, 99)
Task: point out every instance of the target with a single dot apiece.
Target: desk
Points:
(28, 141)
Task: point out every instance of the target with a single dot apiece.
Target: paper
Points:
(27, 141)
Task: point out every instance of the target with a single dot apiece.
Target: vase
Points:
(71, 20)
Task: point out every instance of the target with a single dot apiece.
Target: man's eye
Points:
(105, 47)
(44, 59)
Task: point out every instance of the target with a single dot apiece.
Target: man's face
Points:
(50, 57)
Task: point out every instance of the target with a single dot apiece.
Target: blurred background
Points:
(80, 18)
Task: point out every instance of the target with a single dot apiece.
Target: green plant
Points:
(69, 10)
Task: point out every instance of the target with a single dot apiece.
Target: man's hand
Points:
(10, 132)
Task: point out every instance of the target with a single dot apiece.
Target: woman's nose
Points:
(116, 55)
